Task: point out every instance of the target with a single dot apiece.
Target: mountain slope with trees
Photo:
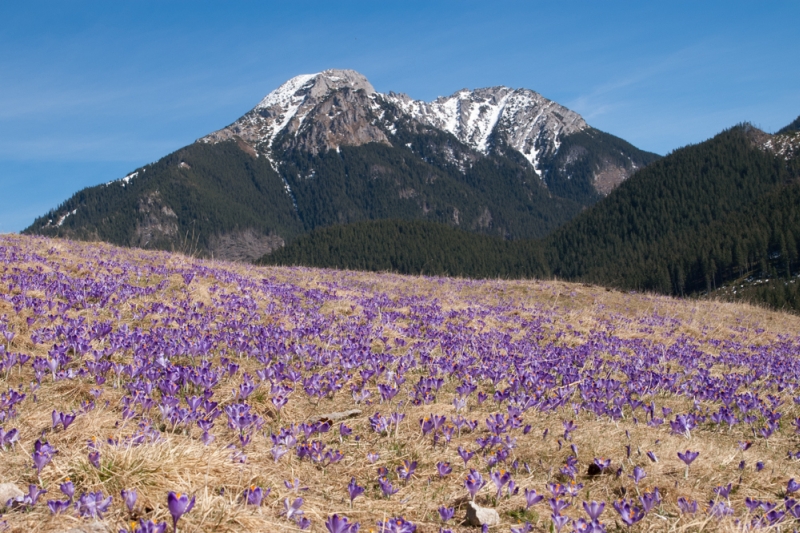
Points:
(699, 220)
(413, 247)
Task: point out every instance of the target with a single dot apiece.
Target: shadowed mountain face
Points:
(327, 149)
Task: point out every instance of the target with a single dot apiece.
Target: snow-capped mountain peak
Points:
(288, 105)
(529, 122)
(524, 119)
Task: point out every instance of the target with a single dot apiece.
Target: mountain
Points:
(327, 149)
(689, 222)
(791, 128)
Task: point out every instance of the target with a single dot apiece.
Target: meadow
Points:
(145, 391)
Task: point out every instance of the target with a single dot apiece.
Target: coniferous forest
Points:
(695, 222)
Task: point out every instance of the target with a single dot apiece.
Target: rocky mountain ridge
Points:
(337, 108)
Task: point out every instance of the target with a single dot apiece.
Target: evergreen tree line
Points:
(689, 223)
(413, 247)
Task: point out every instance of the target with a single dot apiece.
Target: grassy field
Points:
(221, 381)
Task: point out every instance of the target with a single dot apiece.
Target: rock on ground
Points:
(480, 516)
(8, 491)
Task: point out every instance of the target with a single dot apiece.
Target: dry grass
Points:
(569, 313)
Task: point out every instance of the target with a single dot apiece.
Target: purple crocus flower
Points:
(558, 506)
(129, 497)
(178, 504)
(513, 489)
(525, 528)
(638, 474)
(719, 508)
(64, 419)
(500, 478)
(751, 504)
(474, 482)
(601, 464)
(386, 487)
(68, 488)
(688, 457)
(58, 506)
(629, 513)
(40, 460)
(354, 490)
(336, 524)
(723, 491)
(792, 486)
(465, 454)
(687, 506)
(292, 510)
(531, 498)
(93, 504)
(406, 470)
(559, 521)
(94, 459)
(254, 495)
(8, 438)
(792, 507)
(147, 526)
(443, 468)
(774, 516)
(650, 499)
(446, 513)
(34, 493)
(295, 485)
(594, 509)
(278, 452)
(396, 525)
(569, 427)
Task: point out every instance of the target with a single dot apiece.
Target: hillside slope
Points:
(688, 222)
(289, 399)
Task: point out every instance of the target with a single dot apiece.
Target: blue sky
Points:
(92, 90)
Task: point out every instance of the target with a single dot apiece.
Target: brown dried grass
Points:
(180, 462)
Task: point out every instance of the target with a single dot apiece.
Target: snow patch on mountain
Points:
(785, 145)
(286, 93)
(61, 219)
(286, 108)
(124, 181)
(524, 119)
(529, 122)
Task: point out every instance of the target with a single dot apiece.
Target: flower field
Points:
(143, 391)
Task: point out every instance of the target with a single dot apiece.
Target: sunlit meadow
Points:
(154, 392)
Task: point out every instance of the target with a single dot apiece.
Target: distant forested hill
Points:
(687, 222)
(413, 247)
(706, 215)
